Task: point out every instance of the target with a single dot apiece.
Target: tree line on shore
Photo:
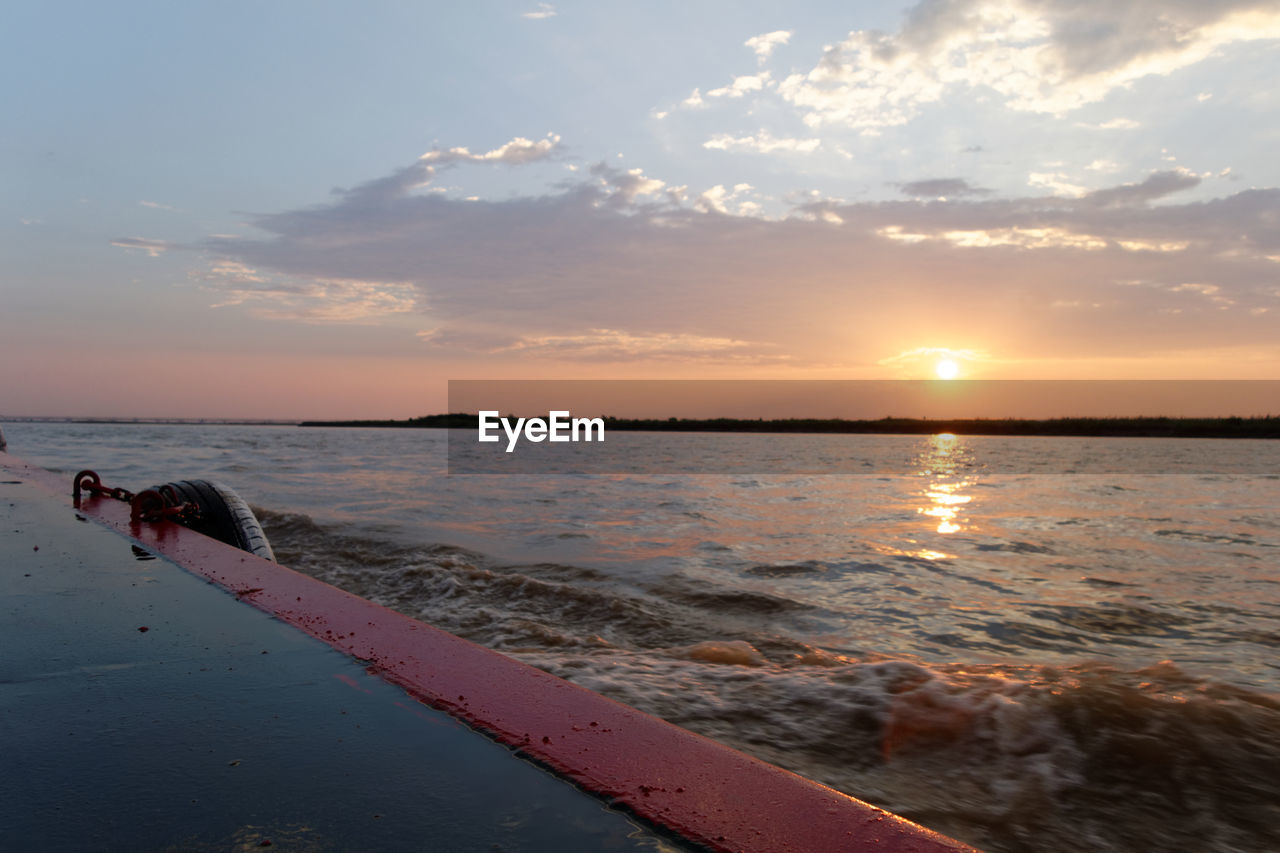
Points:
(1264, 426)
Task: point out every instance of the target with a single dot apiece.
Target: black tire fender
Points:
(223, 514)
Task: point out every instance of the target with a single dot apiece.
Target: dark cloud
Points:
(941, 188)
(1097, 36)
(1157, 185)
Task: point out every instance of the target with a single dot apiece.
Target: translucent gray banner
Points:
(882, 428)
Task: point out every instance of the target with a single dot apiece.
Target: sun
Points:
(946, 369)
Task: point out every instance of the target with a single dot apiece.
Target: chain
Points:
(89, 481)
(148, 505)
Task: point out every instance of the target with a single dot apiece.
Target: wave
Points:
(1007, 757)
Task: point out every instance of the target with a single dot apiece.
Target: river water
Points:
(1025, 661)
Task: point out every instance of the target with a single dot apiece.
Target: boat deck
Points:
(144, 706)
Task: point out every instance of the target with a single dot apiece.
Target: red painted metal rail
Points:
(699, 789)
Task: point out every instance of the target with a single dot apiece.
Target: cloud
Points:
(625, 185)
(1157, 185)
(742, 85)
(764, 45)
(517, 152)
(717, 199)
(514, 153)
(942, 188)
(154, 248)
(615, 345)
(762, 143)
(1057, 183)
(1212, 292)
(1051, 56)
(1115, 124)
(544, 11)
(615, 265)
(306, 299)
(921, 355)
(986, 238)
(155, 205)
(1153, 245)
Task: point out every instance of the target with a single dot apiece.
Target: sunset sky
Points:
(299, 209)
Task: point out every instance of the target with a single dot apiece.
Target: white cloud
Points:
(717, 200)
(1056, 182)
(1051, 56)
(1119, 124)
(742, 85)
(762, 143)
(544, 11)
(694, 100)
(764, 45)
(516, 152)
(987, 238)
(1154, 245)
(1024, 238)
(713, 200)
(155, 205)
(899, 234)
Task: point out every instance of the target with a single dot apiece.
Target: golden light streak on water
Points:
(943, 460)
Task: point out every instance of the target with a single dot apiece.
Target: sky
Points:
(329, 210)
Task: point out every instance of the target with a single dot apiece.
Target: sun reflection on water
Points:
(946, 461)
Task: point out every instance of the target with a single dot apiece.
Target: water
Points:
(1026, 662)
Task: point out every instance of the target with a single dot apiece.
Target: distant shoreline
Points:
(1138, 427)
(30, 419)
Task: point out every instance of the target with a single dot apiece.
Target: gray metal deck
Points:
(220, 728)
